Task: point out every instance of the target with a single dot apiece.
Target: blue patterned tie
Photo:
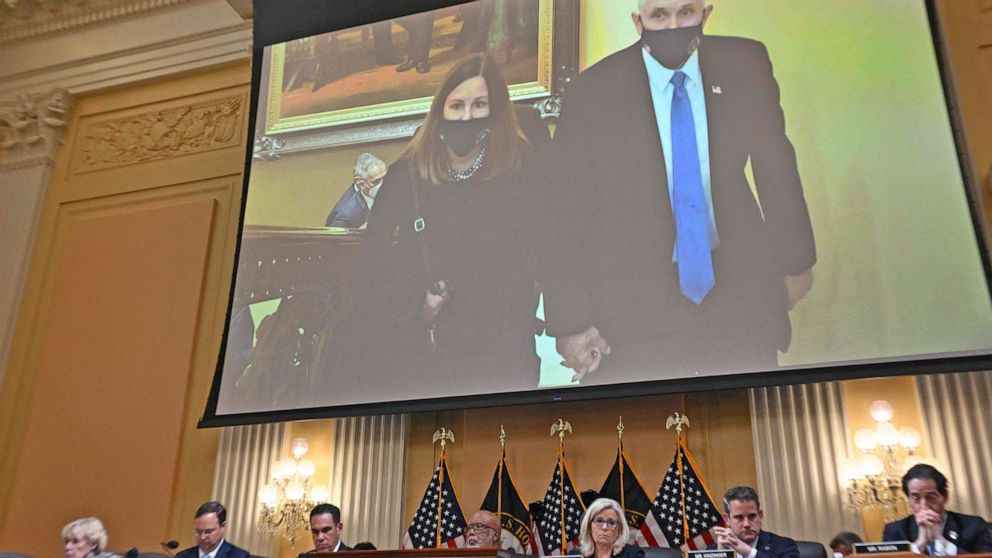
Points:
(692, 228)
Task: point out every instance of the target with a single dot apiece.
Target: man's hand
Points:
(726, 539)
(798, 286)
(928, 522)
(434, 302)
(582, 352)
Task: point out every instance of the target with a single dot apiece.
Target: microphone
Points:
(131, 553)
(170, 545)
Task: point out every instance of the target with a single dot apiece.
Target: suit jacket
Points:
(770, 545)
(970, 533)
(341, 548)
(351, 210)
(227, 550)
(631, 551)
(611, 257)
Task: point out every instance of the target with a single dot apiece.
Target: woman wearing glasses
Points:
(604, 533)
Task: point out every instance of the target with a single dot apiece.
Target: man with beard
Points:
(663, 256)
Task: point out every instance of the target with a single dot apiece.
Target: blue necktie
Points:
(692, 227)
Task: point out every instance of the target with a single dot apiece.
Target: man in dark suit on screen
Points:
(934, 530)
(666, 255)
(210, 528)
(743, 517)
(325, 528)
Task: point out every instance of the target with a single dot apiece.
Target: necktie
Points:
(692, 228)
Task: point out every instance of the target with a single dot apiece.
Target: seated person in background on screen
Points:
(931, 528)
(704, 282)
(743, 516)
(483, 530)
(449, 280)
(843, 543)
(325, 528)
(352, 209)
(210, 527)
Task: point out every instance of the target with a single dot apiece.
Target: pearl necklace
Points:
(463, 175)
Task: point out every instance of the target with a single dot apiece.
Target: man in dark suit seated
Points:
(353, 207)
(931, 528)
(743, 516)
(210, 527)
(325, 528)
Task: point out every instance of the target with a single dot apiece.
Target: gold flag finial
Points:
(620, 428)
(502, 437)
(444, 435)
(560, 428)
(678, 421)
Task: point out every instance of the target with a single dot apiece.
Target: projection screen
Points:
(838, 238)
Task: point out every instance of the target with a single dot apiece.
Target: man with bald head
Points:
(692, 266)
(483, 530)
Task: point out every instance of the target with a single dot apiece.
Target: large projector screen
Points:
(794, 209)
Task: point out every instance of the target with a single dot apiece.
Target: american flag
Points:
(664, 525)
(430, 527)
(562, 513)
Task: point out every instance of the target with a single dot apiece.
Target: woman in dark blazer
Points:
(604, 532)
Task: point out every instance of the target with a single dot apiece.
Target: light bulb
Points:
(320, 494)
(267, 495)
(298, 447)
(881, 410)
(285, 469)
(909, 438)
(887, 434)
(294, 492)
(306, 468)
(870, 465)
(865, 440)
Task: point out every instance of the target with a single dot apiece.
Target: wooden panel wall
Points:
(121, 322)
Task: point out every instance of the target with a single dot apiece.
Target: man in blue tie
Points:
(670, 260)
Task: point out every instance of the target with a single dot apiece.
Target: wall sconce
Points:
(288, 499)
(875, 480)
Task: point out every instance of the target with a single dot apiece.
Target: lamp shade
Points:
(298, 447)
(306, 468)
(870, 465)
(294, 492)
(865, 439)
(320, 494)
(267, 495)
(909, 438)
(887, 435)
(881, 410)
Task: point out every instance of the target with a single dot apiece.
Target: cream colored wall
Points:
(120, 323)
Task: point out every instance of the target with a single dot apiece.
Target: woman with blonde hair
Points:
(604, 532)
(85, 538)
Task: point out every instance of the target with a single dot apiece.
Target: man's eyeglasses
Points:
(204, 532)
(480, 527)
(605, 523)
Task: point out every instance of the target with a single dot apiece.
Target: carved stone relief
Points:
(20, 19)
(31, 126)
(172, 132)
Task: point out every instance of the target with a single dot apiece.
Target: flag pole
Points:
(680, 421)
(502, 459)
(559, 428)
(623, 491)
(442, 434)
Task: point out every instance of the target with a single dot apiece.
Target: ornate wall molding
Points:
(22, 19)
(183, 130)
(31, 128)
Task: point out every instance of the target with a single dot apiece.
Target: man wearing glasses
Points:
(209, 528)
(483, 530)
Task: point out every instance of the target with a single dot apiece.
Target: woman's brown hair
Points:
(429, 156)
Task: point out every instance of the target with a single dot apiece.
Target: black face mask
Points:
(672, 47)
(462, 136)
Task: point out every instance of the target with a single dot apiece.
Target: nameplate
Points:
(878, 548)
(712, 554)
